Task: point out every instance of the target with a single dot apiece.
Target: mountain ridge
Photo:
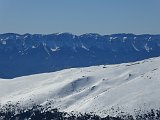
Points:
(31, 54)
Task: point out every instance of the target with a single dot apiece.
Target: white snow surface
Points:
(103, 89)
(55, 49)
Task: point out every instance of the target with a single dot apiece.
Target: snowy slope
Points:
(101, 89)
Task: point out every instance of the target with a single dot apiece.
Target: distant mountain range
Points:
(28, 54)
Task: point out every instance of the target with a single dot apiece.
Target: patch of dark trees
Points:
(37, 112)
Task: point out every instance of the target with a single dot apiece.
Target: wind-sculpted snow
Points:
(104, 89)
(27, 54)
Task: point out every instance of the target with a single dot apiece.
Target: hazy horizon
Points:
(79, 17)
(76, 34)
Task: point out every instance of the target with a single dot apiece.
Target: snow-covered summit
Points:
(102, 89)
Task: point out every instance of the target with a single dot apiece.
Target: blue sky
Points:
(80, 16)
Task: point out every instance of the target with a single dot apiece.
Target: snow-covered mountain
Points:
(30, 54)
(102, 89)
